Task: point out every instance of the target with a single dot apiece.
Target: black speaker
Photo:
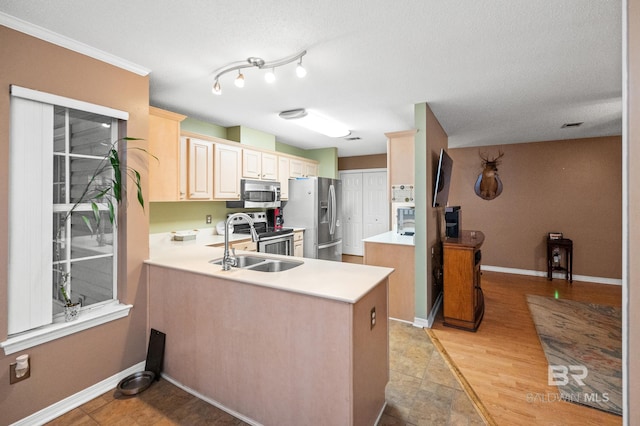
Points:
(453, 221)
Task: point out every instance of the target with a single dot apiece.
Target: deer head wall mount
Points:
(488, 185)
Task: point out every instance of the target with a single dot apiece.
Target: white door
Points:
(351, 213)
(375, 205)
(365, 208)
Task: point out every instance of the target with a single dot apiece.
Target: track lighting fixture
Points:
(270, 76)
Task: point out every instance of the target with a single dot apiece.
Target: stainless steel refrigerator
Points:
(314, 204)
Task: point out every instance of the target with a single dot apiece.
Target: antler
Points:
(485, 157)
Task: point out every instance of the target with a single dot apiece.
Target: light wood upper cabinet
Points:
(302, 168)
(283, 177)
(269, 166)
(227, 171)
(296, 168)
(310, 169)
(200, 165)
(259, 165)
(164, 143)
(400, 157)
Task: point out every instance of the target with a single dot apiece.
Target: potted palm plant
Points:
(105, 187)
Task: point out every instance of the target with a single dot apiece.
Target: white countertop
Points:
(391, 237)
(346, 282)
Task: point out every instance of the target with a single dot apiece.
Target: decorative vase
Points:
(71, 312)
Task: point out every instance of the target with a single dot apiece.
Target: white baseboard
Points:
(210, 401)
(434, 310)
(584, 278)
(74, 401)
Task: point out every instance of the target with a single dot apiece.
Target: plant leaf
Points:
(112, 215)
(88, 223)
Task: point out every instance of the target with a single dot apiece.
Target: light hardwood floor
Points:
(504, 362)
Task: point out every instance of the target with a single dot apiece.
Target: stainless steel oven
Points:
(270, 239)
(276, 244)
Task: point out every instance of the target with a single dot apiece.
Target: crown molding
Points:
(69, 43)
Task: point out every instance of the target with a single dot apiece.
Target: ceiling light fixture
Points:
(258, 63)
(316, 122)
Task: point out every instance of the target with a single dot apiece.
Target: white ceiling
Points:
(493, 71)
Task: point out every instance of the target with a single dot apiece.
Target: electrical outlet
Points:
(373, 317)
(208, 219)
(14, 373)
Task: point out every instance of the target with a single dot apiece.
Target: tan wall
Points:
(572, 186)
(633, 415)
(66, 366)
(377, 161)
(436, 140)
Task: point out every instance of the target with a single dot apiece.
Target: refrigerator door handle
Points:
(333, 244)
(332, 209)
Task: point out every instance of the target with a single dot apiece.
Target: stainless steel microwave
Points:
(257, 194)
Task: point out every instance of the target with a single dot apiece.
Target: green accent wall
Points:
(186, 215)
(291, 150)
(328, 159)
(202, 127)
(247, 136)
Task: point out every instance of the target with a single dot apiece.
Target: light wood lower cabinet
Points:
(245, 245)
(298, 243)
(401, 282)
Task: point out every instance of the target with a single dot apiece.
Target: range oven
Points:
(270, 240)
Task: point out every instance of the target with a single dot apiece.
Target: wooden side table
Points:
(560, 244)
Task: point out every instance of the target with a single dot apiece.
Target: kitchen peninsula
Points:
(290, 347)
(396, 251)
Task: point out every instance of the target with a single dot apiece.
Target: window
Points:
(83, 248)
(57, 144)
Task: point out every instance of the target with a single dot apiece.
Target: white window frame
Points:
(34, 283)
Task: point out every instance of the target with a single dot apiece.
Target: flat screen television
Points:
(443, 180)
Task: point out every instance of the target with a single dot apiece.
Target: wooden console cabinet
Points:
(463, 299)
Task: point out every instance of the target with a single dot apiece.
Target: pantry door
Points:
(365, 207)
(351, 213)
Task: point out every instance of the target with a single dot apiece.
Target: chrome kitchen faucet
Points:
(227, 260)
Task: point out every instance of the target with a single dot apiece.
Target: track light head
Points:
(216, 88)
(270, 76)
(300, 70)
(239, 80)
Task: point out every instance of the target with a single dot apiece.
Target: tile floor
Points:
(422, 390)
